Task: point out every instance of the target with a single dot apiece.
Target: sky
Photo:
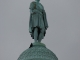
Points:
(62, 36)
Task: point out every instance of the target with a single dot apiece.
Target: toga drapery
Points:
(37, 18)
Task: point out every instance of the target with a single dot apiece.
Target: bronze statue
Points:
(38, 22)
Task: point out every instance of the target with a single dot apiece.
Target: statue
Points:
(38, 21)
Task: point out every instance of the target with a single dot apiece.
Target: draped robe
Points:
(37, 18)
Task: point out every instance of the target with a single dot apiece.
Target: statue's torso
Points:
(37, 16)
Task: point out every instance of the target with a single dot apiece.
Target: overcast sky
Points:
(63, 34)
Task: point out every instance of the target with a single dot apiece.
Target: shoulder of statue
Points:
(33, 5)
(33, 2)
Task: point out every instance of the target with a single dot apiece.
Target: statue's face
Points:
(37, 0)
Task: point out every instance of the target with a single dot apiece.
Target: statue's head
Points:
(37, 0)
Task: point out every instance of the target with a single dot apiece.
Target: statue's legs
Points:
(41, 35)
(35, 34)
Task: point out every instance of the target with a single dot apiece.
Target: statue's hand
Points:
(46, 28)
(31, 11)
(30, 30)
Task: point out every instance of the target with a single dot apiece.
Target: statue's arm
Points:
(45, 20)
(31, 11)
(36, 11)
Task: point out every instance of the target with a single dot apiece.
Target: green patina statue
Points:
(37, 28)
(38, 22)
